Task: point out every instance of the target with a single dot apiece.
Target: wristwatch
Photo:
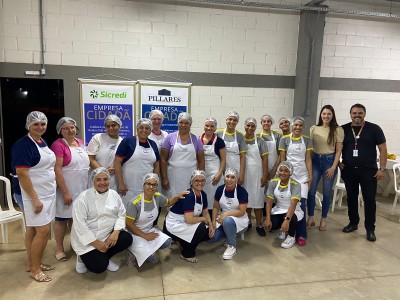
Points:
(287, 218)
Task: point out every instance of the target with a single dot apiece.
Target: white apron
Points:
(181, 164)
(133, 170)
(76, 179)
(283, 202)
(230, 204)
(296, 155)
(253, 175)
(177, 225)
(272, 152)
(212, 164)
(232, 153)
(140, 247)
(43, 181)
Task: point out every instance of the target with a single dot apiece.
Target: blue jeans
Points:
(301, 230)
(320, 164)
(226, 230)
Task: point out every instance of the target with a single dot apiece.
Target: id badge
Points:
(355, 153)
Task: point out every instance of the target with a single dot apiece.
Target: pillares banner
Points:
(100, 98)
(171, 98)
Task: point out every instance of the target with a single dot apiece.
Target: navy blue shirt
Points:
(242, 194)
(127, 147)
(187, 205)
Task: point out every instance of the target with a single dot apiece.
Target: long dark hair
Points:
(332, 124)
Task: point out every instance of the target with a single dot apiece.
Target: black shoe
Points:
(371, 236)
(249, 226)
(350, 228)
(261, 231)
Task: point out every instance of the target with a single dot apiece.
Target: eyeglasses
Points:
(71, 128)
(151, 185)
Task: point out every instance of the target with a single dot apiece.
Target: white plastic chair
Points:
(339, 186)
(10, 215)
(396, 176)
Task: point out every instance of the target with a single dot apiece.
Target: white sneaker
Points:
(288, 242)
(130, 259)
(112, 266)
(229, 252)
(80, 266)
(281, 235)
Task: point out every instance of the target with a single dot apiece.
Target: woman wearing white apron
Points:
(188, 221)
(272, 138)
(234, 144)
(72, 165)
(229, 212)
(135, 157)
(215, 159)
(34, 164)
(181, 154)
(140, 215)
(297, 149)
(286, 213)
(256, 176)
(102, 147)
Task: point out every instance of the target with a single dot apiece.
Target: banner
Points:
(100, 98)
(171, 98)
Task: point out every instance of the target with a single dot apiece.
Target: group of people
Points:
(210, 184)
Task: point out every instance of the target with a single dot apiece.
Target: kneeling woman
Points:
(286, 193)
(99, 217)
(229, 212)
(187, 220)
(140, 216)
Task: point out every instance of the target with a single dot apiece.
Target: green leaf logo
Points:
(94, 94)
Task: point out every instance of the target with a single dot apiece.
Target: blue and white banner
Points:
(171, 98)
(100, 98)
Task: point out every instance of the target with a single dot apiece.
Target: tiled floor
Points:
(333, 265)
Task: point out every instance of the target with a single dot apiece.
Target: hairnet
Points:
(297, 118)
(197, 173)
(113, 118)
(144, 121)
(33, 117)
(250, 120)
(63, 121)
(287, 165)
(98, 171)
(156, 112)
(268, 117)
(233, 113)
(231, 171)
(185, 116)
(211, 119)
(285, 118)
(150, 176)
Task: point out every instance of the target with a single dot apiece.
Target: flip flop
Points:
(192, 260)
(322, 226)
(44, 267)
(40, 277)
(61, 256)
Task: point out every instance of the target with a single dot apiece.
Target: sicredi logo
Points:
(164, 95)
(106, 94)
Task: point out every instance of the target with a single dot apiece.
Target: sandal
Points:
(301, 242)
(61, 256)
(310, 223)
(192, 260)
(40, 277)
(322, 226)
(44, 267)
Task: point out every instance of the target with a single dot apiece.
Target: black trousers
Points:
(353, 177)
(97, 261)
(277, 221)
(189, 249)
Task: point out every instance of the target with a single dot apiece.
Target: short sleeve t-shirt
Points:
(230, 137)
(219, 144)
(127, 147)
(319, 136)
(187, 205)
(285, 142)
(98, 140)
(241, 193)
(262, 145)
(133, 208)
(268, 137)
(158, 138)
(295, 189)
(61, 150)
(171, 139)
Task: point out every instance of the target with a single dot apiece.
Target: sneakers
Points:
(112, 266)
(80, 266)
(229, 252)
(153, 258)
(281, 235)
(288, 242)
(130, 259)
(261, 231)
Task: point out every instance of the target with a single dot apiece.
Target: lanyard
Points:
(356, 137)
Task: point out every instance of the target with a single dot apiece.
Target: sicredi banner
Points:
(100, 98)
(171, 98)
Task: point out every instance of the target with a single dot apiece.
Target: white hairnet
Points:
(268, 117)
(156, 112)
(211, 119)
(298, 118)
(63, 121)
(113, 118)
(233, 114)
(144, 121)
(231, 171)
(33, 117)
(285, 119)
(150, 176)
(197, 173)
(250, 120)
(287, 165)
(98, 171)
(185, 116)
